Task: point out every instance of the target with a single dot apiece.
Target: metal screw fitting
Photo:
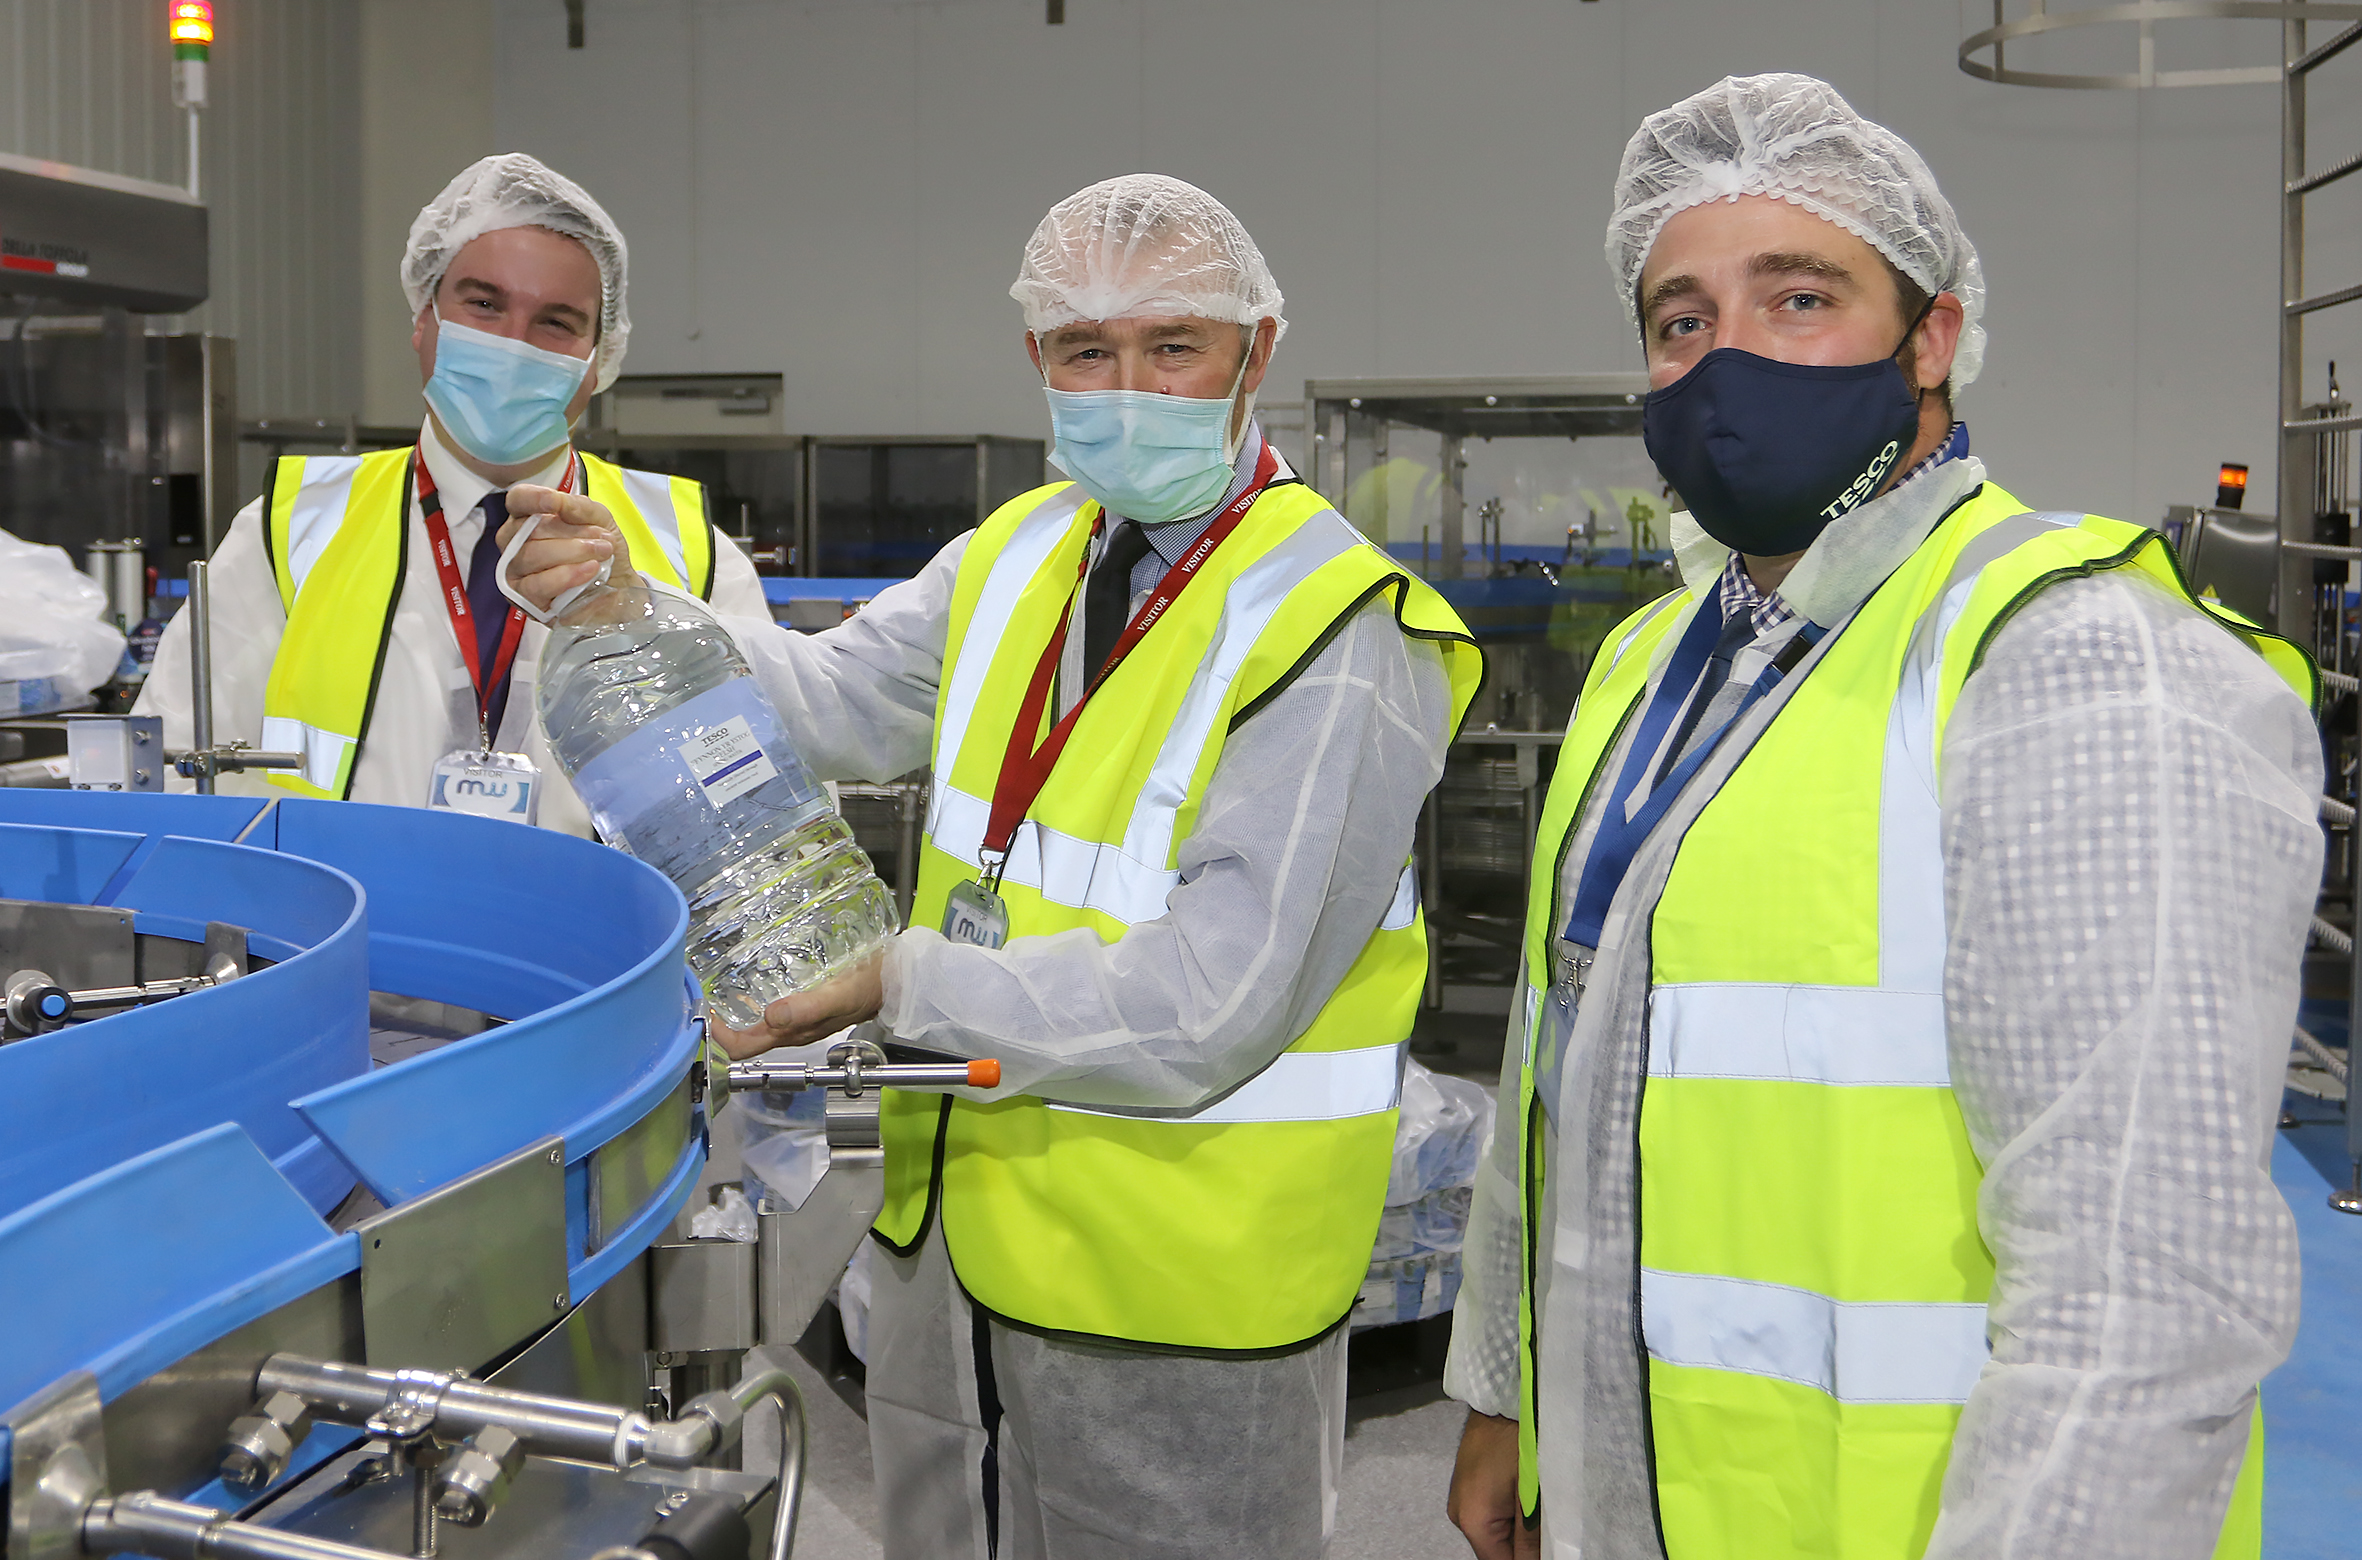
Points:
(259, 1444)
(477, 1476)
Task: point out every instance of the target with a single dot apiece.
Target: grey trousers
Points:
(992, 1443)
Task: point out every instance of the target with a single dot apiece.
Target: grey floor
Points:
(1398, 1458)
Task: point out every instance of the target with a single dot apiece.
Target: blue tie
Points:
(489, 607)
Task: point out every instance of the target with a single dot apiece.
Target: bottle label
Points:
(727, 761)
(709, 767)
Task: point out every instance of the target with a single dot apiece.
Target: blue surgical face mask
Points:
(500, 400)
(1767, 454)
(1145, 456)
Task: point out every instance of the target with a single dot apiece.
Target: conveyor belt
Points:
(164, 1172)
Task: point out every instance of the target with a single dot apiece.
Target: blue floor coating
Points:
(2313, 1404)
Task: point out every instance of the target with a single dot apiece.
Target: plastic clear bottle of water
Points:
(683, 762)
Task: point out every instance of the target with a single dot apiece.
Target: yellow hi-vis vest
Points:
(1812, 1283)
(337, 529)
(1245, 1225)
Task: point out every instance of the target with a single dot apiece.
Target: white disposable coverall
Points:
(1296, 855)
(425, 702)
(2130, 856)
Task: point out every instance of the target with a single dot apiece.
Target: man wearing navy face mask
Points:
(1882, 1166)
(1180, 718)
(356, 614)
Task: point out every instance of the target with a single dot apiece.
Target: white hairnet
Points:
(1794, 138)
(1143, 244)
(514, 190)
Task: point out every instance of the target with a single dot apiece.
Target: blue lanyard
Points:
(1620, 834)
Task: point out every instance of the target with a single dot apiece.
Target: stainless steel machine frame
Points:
(1563, 405)
(1477, 828)
(1004, 467)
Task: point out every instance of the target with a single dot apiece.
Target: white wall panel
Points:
(89, 82)
(837, 190)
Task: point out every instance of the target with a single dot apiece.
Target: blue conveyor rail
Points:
(164, 1172)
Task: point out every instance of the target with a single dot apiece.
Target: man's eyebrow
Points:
(461, 283)
(1797, 263)
(1666, 291)
(572, 313)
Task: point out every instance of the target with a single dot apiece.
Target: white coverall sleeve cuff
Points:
(898, 974)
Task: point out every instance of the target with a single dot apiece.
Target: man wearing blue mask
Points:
(356, 613)
(1883, 1158)
(1180, 718)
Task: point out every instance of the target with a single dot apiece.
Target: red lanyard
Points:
(1025, 769)
(463, 622)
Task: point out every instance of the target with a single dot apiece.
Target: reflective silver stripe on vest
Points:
(1127, 881)
(323, 751)
(1911, 938)
(1297, 1086)
(1664, 604)
(1857, 1352)
(321, 499)
(1030, 541)
(1846, 1036)
(1405, 908)
(652, 495)
(1063, 868)
(1253, 598)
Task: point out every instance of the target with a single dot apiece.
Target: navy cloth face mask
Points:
(1766, 454)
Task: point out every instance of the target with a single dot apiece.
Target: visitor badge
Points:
(495, 785)
(977, 915)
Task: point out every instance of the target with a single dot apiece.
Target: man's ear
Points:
(1936, 342)
(1033, 350)
(1259, 348)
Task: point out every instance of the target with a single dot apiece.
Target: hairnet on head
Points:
(1794, 138)
(1143, 244)
(513, 190)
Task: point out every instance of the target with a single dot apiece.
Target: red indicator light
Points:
(192, 23)
(2230, 485)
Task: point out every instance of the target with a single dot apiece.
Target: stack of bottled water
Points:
(1415, 1266)
(682, 761)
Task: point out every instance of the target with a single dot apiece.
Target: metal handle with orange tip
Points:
(758, 1074)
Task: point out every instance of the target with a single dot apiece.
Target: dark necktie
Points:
(1107, 599)
(489, 607)
(1738, 632)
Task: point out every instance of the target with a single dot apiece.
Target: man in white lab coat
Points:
(355, 612)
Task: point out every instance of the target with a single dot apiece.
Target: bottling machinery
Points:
(344, 1158)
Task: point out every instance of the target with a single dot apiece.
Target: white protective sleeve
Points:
(2131, 852)
(859, 699)
(1297, 853)
(1481, 1368)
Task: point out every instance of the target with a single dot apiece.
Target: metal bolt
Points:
(259, 1444)
(557, 1156)
(557, 1302)
(477, 1476)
